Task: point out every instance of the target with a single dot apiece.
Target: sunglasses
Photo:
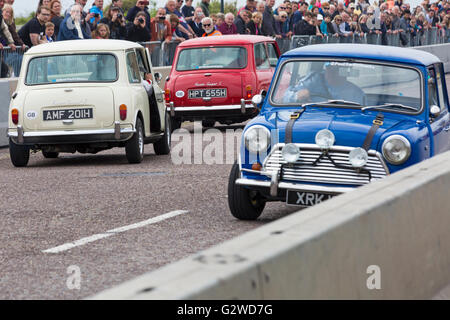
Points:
(283, 17)
(206, 25)
(283, 8)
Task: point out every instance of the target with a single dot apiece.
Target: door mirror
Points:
(435, 111)
(158, 77)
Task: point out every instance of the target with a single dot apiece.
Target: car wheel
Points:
(134, 147)
(20, 155)
(50, 155)
(208, 123)
(245, 204)
(162, 146)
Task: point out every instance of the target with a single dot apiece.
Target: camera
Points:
(141, 20)
(162, 18)
(145, 3)
(119, 16)
(96, 15)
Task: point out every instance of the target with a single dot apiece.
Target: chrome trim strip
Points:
(213, 108)
(70, 133)
(294, 186)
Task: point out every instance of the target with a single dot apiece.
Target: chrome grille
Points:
(325, 171)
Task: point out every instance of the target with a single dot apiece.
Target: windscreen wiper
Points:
(388, 105)
(352, 103)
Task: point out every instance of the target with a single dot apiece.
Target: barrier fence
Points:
(162, 53)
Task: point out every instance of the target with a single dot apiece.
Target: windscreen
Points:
(367, 84)
(72, 68)
(212, 58)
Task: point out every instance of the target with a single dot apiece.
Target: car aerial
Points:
(337, 117)
(214, 78)
(87, 96)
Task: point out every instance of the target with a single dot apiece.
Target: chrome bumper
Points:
(116, 133)
(273, 185)
(174, 109)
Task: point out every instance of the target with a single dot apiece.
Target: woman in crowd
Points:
(254, 25)
(101, 32)
(177, 34)
(56, 18)
(45, 3)
(13, 59)
(362, 23)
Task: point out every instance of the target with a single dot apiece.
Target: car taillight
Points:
(248, 90)
(123, 112)
(15, 116)
(167, 95)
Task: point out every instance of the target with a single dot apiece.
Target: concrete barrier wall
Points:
(396, 228)
(440, 50)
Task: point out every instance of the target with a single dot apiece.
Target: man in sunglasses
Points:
(208, 26)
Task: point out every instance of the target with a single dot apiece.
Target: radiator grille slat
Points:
(325, 171)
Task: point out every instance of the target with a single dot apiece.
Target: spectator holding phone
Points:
(141, 5)
(196, 23)
(138, 30)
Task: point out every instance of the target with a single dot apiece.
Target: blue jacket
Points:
(67, 30)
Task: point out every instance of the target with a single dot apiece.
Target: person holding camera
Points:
(138, 30)
(72, 27)
(115, 20)
(97, 10)
(141, 5)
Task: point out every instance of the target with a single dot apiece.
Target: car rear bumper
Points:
(120, 132)
(224, 112)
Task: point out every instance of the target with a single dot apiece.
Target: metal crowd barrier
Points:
(11, 61)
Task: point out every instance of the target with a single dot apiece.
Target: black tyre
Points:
(20, 155)
(134, 147)
(50, 155)
(162, 146)
(245, 204)
(208, 123)
(175, 124)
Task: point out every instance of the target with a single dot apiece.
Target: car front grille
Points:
(325, 171)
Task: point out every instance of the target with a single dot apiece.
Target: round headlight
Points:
(396, 149)
(358, 157)
(257, 139)
(290, 152)
(325, 139)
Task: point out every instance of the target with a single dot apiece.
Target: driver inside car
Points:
(329, 84)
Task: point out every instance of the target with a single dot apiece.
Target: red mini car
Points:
(214, 78)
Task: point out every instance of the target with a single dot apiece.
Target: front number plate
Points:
(68, 114)
(306, 199)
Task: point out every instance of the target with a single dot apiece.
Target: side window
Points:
(273, 55)
(432, 91)
(141, 62)
(132, 68)
(261, 59)
(440, 87)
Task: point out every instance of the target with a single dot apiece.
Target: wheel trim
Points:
(141, 141)
(168, 135)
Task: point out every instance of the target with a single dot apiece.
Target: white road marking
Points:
(95, 237)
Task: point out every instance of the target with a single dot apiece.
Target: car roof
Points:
(366, 51)
(235, 39)
(82, 45)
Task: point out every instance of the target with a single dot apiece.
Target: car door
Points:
(437, 96)
(139, 94)
(264, 71)
(159, 93)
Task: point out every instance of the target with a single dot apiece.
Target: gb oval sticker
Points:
(31, 115)
(179, 94)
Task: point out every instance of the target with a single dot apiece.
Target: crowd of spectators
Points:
(178, 22)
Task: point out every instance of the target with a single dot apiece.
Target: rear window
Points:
(212, 58)
(72, 68)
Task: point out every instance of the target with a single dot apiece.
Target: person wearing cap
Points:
(330, 83)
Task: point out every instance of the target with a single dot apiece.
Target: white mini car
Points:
(87, 96)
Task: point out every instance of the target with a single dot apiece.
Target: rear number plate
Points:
(207, 93)
(68, 114)
(306, 199)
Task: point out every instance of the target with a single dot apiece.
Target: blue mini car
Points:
(336, 117)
